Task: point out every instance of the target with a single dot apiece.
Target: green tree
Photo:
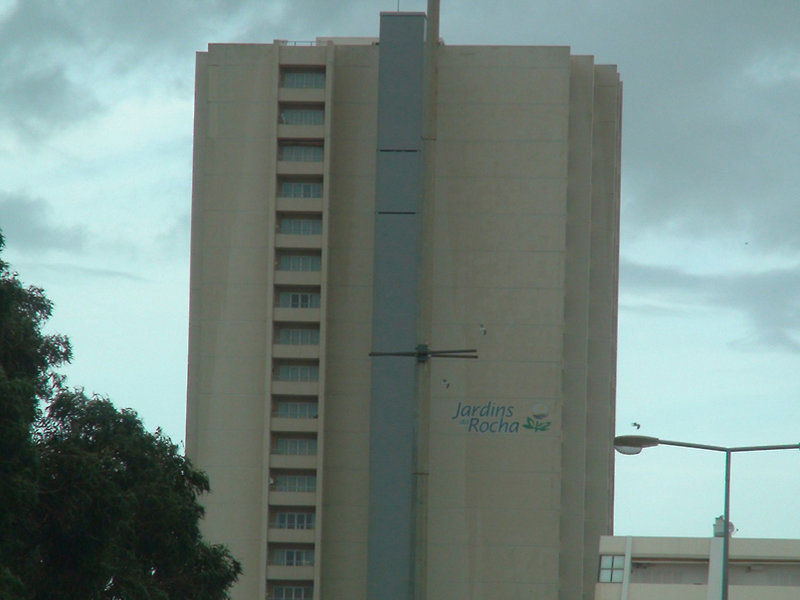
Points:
(92, 505)
(128, 500)
(28, 358)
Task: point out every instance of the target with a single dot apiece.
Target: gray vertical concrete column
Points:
(393, 403)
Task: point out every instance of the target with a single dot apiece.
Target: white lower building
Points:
(661, 568)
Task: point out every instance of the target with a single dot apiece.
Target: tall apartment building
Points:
(360, 208)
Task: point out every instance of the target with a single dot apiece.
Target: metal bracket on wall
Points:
(422, 353)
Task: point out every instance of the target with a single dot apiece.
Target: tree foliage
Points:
(27, 359)
(129, 500)
(92, 505)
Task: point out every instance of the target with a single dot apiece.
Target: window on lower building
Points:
(300, 226)
(293, 482)
(612, 568)
(299, 78)
(291, 592)
(300, 189)
(292, 557)
(294, 446)
(300, 152)
(291, 409)
(299, 300)
(285, 519)
(299, 262)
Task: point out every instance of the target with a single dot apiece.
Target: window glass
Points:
(293, 557)
(298, 373)
(301, 116)
(299, 300)
(293, 520)
(294, 483)
(292, 592)
(300, 152)
(612, 568)
(300, 262)
(295, 446)
(298, 337)
(303, 78)
(296, 410)
(301, 189)
(301, 226)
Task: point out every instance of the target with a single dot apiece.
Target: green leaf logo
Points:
(536, 425)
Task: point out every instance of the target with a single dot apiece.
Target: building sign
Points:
(492, 417)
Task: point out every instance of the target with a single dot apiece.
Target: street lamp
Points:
(634, 444)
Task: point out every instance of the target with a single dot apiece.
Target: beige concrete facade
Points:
(651, 568)
(520, 231)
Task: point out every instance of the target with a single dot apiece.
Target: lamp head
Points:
(633, 444)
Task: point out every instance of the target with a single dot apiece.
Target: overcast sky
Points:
(95, 193)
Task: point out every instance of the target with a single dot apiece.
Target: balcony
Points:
(667, 591)
(301, 132)
(293, 461)
(285, 240)
(295, 388)
(287, 167)
(304, 95)
(292, 536)
(306, 351)
(298, 277)
(296, 315)
(289, 573)
(292, 498)
(299, 205)
(293, 425)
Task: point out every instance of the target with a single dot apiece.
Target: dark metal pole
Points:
(727, 518)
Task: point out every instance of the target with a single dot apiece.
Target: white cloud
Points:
(775, 69)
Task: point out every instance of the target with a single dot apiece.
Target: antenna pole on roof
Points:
(433, 21)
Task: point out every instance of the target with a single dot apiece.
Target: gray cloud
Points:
(26, 225)
(36, 101)
(35, 90)
(55, 56)
(710, 130)
(769, 300)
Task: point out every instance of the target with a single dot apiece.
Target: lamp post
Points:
(634, 444)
